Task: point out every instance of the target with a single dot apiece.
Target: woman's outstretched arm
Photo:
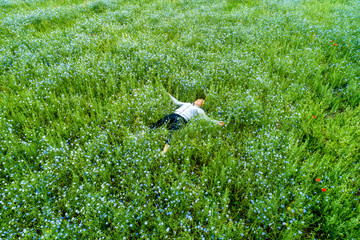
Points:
(206, 117)
(178, 103)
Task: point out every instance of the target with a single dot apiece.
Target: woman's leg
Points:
(173, 122)
(166, 147)
(161, 122)
(176, 124)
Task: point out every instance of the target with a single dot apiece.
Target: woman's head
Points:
(199, 102)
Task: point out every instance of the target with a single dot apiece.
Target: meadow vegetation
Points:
(79, 80)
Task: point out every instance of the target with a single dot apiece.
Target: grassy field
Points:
(80, 79)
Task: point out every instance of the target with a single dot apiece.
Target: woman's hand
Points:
(221, 123)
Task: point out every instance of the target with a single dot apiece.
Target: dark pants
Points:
(173, 122)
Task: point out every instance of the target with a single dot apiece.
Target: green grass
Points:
(282, 75)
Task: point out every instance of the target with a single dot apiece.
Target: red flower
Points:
(331, 41)
(314, 116)
(323, 189)
(335, 44)
(318, 179)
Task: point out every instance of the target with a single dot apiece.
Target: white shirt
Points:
(189, 110)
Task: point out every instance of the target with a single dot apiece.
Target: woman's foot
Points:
(166, 147)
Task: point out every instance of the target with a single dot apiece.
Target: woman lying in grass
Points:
(180, 117)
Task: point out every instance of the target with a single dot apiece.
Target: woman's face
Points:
(199, 102)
